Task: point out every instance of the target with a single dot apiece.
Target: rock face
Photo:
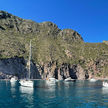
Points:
(11, 66)
(55, 53)
(16, 67)
(4, 15)
(94, 70)
(18, 25)
(70, 36)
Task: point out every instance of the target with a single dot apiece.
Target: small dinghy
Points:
(92, 80)
(13, 79)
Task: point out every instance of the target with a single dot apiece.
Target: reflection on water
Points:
(51, 88)
(6, 82)
(105, 90)
(27, 90)
(13, 90)
(26, 94)
(48, 83)
(13, 84)
(79, 94)
(68, 84)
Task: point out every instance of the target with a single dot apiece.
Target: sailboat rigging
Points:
(28, 82)
(30, 61)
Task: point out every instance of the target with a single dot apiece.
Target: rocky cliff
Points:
(55, 53)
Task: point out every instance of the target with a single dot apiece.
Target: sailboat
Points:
(69, 79)
(27, 82)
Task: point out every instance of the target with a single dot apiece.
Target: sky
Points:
(88, 17)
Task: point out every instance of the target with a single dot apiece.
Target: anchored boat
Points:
(28, 82)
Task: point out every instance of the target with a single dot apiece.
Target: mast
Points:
(30, 60)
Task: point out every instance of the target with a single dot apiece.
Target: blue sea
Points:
(79, 94)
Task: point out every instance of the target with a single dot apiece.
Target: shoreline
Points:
(61, 80)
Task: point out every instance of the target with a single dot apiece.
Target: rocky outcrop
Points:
(70, 36)
(4, 15)
(12, 67)
(62, 72)
(15, 24)
(97, 69)
(19, 25)
(17, 67)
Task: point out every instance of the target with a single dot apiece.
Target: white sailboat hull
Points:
(69, 79)
(13, 79)
(26, 83)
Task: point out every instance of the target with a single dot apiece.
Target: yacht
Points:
(14, 79)
(28, 82)
(69, 79)
(51, 80)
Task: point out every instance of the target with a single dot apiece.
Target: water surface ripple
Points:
(79, 94)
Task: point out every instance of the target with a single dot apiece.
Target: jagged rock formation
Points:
(70, 35)
(55, 53)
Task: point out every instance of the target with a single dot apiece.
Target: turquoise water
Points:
(79, 94)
